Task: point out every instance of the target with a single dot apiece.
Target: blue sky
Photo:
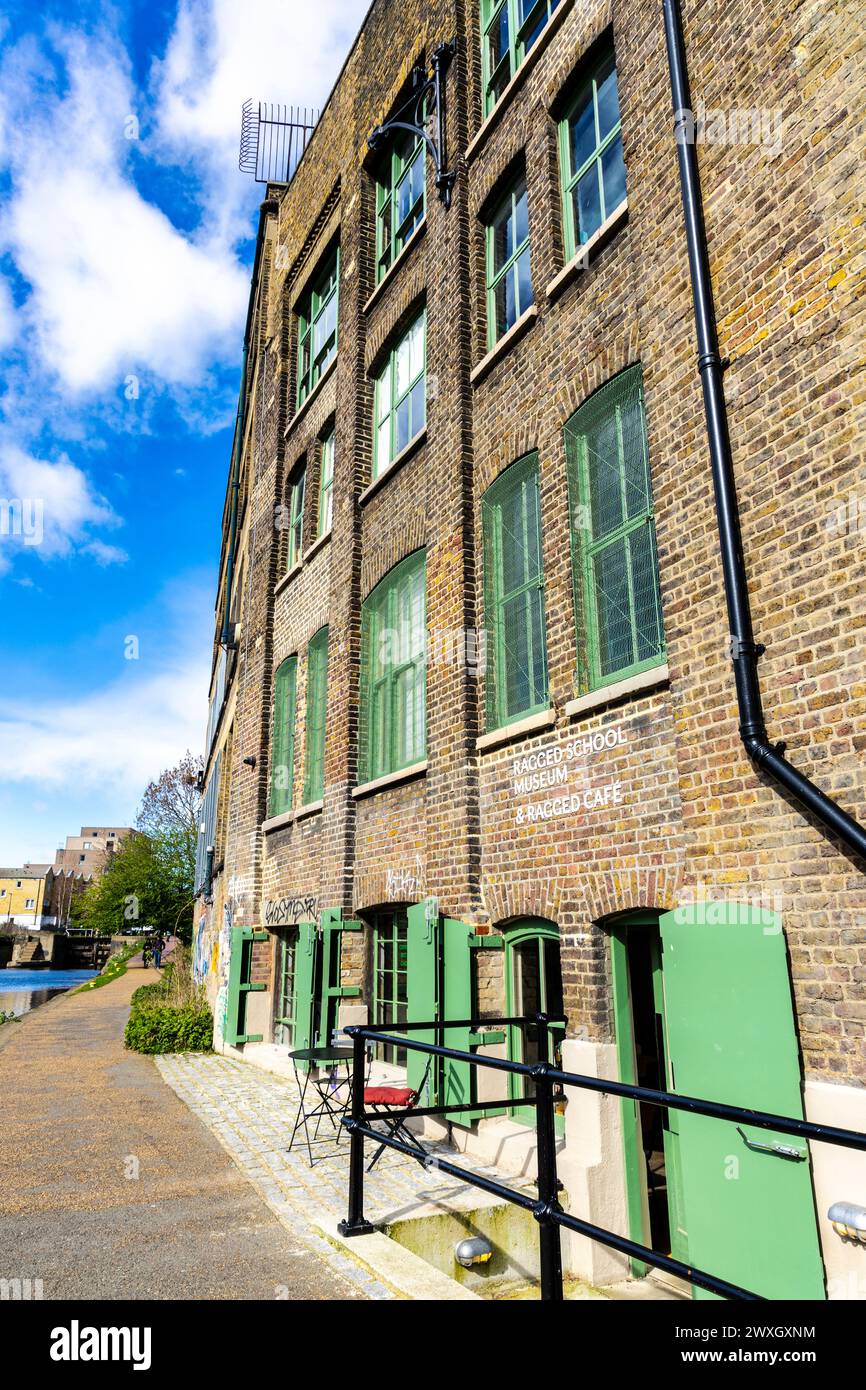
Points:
(126, 240)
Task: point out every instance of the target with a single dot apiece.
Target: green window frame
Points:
(391, 977)
(401, 200)
(326, 482)
(400, 397)
(614, 553)
(283, 740)
(284, 1021)
(517, 684)
(297, 489)
(509, 29)
(509, 276)
(591, 158)
(318, 317)
(317, 702)
(393, 721)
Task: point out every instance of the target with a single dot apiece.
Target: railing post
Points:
(355, 1224)
(550, 1248)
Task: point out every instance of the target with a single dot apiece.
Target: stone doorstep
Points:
(407, 1274)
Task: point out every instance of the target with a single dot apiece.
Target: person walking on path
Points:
(158, 948)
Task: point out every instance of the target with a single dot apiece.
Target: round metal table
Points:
(327, 1090)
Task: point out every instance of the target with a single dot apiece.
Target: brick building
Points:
(473, 739)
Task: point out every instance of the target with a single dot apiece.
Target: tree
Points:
(149, 879)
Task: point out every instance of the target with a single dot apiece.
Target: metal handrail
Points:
(546, 1209)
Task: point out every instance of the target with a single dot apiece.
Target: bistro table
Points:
(327, 1099)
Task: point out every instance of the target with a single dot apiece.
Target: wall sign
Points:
(559, 769)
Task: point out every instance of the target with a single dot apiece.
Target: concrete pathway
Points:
(112, 1188)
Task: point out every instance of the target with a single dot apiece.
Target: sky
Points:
(126, 245)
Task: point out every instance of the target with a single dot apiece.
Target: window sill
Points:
(288, 577)
(391, 272)
(396, 463)
(596, 243)
(302, 409)
(277, 822)
(391, 779)
(510, 733)
(506, 342)
(316, 546)
(608, 694)
(552, 27)
(312, 808)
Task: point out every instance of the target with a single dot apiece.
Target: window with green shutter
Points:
(317, 326)
(509, 29)
(400, 396)
(326, 483)
(393, 722)
(317, 694)
(509, 281)
(390, 977)
(613, 535)
(283, 741)
(400, 200)
(514, 595)
(284, 1019)
(297, 487)
(591, 159)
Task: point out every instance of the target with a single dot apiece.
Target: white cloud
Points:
(222, 52)
(51, 508)
(8, 323)
(87, 743)
(116, 288)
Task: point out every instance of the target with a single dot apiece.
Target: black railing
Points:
(545, 1207)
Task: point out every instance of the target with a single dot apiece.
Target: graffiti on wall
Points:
(287, 912)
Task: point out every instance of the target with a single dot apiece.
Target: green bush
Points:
(157, 1028)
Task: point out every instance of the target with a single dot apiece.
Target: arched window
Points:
(533, 984)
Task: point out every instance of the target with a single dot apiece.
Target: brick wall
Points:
(785, 237)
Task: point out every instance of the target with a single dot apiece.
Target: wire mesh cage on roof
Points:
(273, 138)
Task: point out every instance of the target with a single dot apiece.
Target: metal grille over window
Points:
(394, 672)
(514, 595)
(617, 596)
(317, 682)
(207, 826)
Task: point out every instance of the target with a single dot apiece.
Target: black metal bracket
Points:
(428, 90)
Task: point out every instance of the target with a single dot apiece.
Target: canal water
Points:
(23, 990)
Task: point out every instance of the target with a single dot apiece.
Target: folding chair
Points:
(383, 1099)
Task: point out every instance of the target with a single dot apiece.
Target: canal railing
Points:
(546, 1080)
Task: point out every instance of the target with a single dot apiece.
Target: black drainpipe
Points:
(744, 650)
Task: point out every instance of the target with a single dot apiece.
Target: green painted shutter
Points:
(422, 955)
(457, 966)
(317, 681)
(332, 925)
(749, 1215)
(239, 985)
(305, 974)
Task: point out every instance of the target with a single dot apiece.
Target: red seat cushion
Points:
(388, 1095)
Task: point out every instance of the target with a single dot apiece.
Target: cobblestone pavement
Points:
(252, 1113)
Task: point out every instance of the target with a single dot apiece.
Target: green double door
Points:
(713, 1019)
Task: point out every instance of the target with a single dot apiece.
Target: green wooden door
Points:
(457, 970)
(748, 1216)
(422, 955)
(533, 983)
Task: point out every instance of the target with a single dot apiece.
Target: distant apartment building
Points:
(474, 741)
(86, 852)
